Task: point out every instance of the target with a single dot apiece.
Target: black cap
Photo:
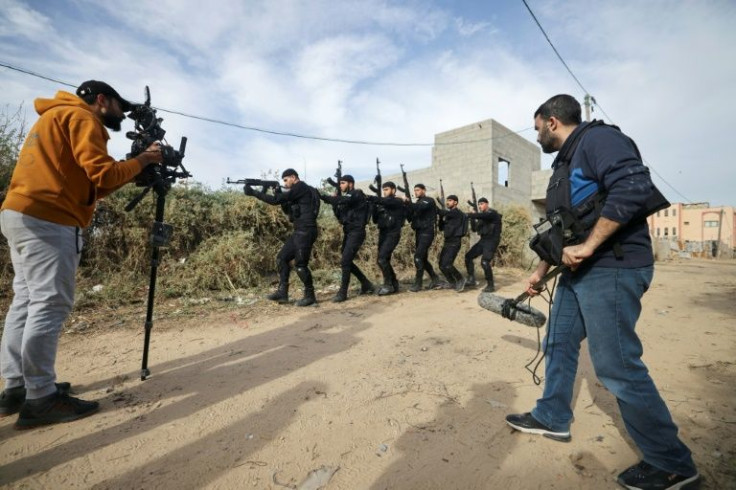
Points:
(347, 178)
(289, 172)
(453, 197)
(482, 199)
(94, 87)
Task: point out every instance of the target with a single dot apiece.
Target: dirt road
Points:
(401, 392)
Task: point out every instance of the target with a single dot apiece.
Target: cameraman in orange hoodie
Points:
(62, 170)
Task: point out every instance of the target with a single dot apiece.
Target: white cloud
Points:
(389, 71)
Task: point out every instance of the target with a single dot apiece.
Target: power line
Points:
(283, 133)
(586, 92)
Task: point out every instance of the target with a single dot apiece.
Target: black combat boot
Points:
(434, 282)
(470, 281)
(367, 287)
(342, 293)
(308, 299)
(281, 295)
(488, 273)
(459, 282)
(306, 277)
(418, 279)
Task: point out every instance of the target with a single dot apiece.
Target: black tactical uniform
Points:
(301, 203)
(352, 211)
(389, 215)
(488, 226)
(423, 220)
(453, 224)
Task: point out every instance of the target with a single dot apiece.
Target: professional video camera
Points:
(159, 177)
(148, 130)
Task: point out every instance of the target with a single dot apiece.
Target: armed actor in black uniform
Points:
(389, 214)
(301, 203)
(352, 211)
(423, 220)
(487, 223)
(454, 225)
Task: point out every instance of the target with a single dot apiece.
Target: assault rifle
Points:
(265, 184)
(378, 181)
(338, 176)
(406, 190)
(441, 199)
(474, 202)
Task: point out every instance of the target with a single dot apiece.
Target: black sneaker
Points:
(57, 409)
(524, 422)
(11, 400)
(460, 285)
(386, 290)
(644, 476)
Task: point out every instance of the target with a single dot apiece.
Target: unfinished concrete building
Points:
(504, 167)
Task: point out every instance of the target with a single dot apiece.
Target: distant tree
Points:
(12, 134)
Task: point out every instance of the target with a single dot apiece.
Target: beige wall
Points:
(696, 227)
(471, 154)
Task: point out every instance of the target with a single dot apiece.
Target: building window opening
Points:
(657, 231)
(665, 230)
(674, 231)
(710, 224)
(666, 212)
(674, 212)
(503, 172)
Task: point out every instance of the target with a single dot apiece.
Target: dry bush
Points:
(224, 240)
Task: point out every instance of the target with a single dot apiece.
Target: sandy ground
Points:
(401, 392)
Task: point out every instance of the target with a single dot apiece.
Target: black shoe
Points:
(57, 409)
(524, 422)
(644, 476)
(470, 283)
(385, 290)
(340, 297)
(460, 285)
(489, 288)
(367, 288)
(416, 287)
(434, 283)
(307, 300)
(11, 400)
(279, 296)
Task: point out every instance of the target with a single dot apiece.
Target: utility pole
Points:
(587, 107)
(720, 225)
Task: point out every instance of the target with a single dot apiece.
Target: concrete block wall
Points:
(471, 153)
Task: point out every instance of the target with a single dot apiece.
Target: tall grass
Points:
(223, 241)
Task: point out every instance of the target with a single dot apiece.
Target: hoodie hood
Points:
(61, 99)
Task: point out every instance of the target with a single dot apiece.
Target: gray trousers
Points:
(45, 257)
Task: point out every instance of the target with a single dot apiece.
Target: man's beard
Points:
(547, 141)
(113, 122)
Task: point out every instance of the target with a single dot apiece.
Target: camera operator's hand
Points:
(152, 154)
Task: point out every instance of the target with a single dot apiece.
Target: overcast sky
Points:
(390, 71)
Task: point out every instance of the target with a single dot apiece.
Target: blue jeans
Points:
(603, 304)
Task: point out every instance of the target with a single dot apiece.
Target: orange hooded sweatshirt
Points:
(63, 167)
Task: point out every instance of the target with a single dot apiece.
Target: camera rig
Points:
(159, 177)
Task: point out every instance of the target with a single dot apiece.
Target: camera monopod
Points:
(513, 309)
(160, 235)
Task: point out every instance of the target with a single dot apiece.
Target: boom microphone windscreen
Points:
(511, 309)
